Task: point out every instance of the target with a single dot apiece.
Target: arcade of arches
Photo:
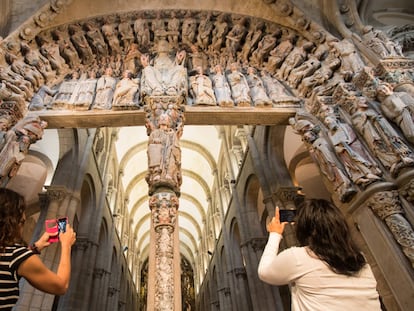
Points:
(168, 131)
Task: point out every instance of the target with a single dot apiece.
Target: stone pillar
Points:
(164, 124)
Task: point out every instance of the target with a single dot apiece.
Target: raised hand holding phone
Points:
(62, 224)
(275, 225)
(54, 227)
(53, 230)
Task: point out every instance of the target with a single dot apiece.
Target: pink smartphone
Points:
(52, 227)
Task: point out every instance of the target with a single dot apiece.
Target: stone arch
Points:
(252, 204)
(102, 265)
(87, 208)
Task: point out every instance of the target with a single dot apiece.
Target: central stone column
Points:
(164, 122)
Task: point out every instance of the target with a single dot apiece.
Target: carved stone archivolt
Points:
(71, 59)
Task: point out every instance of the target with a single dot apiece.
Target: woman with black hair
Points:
(18, 260)
(328, 271)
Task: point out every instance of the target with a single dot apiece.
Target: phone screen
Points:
(287, 215)
(62, 224)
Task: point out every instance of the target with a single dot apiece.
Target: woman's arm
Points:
(37, 274)
(274, 268)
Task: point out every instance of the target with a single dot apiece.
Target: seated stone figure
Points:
(202, 89)
(125, 92)
(165, 76)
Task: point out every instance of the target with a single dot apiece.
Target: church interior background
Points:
(168, 131)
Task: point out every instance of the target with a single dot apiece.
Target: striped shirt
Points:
(10, 260)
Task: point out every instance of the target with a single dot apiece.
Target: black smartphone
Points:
(287, 215)
(62, 224)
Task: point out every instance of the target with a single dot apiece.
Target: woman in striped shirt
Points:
(17, 260)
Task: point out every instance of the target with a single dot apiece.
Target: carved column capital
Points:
(164, 209)
(385, 203)
(387, 206)
(288, 194)
(56, 193)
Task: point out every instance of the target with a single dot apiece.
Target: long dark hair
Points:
(322, 227)
(12, 208)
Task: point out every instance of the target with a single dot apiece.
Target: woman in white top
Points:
(328, 271)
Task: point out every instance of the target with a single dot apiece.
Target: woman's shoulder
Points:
(15, 251)
(303, 252)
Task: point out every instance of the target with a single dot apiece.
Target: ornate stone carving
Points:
(55, 193)
(288, 194)
(398, 108)
(164, 156)
(16, 145)
(201, 89)
(323, 154)
(239, 86)
(387, 206)
(164, 208)
(381, 138)
(407, 191)
(359, 165)
(164, 293)
(125, 93)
